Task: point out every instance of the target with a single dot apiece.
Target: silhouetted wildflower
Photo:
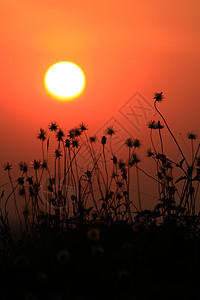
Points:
(71, 133)
(121, 165)
(20, 180)
(42, 135)
(159, 126)
(44, 164)
(134, 159)
(110, 131)
(67, 143)
(36, 164)
(93, 139)
(53, 126)
(30, 180)
(57, 153)
(103, 140)
(7, 167)
(60, 135)
(129, 142)
(158, 97)
(114, 159)
(152, 124)
(75, 143)
(191, 136)
(149, 152)
(77, 132)
(83, 127)
(23, 166)
(34, 189)
(137, 143)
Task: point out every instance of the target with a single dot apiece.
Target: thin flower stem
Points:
(170, 132)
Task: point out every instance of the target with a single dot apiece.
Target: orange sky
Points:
(123, 47)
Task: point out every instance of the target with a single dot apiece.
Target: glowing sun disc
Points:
(64, 80)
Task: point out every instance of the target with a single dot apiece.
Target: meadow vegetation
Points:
(79, 232)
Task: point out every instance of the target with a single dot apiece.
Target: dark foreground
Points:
(98, 261)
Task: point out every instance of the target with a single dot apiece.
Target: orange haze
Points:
(123, 47)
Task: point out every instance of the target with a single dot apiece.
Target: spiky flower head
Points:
(67, 143)
(60, 135)
(75, 143)
(71, 133)
(53, 126)
(36, 164)
(159, 125)
(83, 127)
(135, 158)
(30, 180)
(44, 164)
(158, 97)
(152, 124)
(77, 132)
(137, 143)
(23, 166)
(191, 136)
(149, 152)
(110, 130)
(57, 153)
(121, 165)
(129, 142)
(42, 135)
(7, 167)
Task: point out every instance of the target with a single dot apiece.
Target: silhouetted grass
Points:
(82, 235)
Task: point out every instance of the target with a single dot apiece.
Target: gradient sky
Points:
(123, 47)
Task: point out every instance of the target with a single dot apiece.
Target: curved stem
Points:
(170, 133)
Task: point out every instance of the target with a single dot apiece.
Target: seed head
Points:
(75, 143)
(57, 153)
(42, 135)
(158, 97)
(7, 167)
(83, 127)
(191, 136)
(93, 139)
(110, 131)
(36, 164)
(67, 143)
(53, 126)
(23, 166)
(60, 135)
(136, 143)
(129, 142)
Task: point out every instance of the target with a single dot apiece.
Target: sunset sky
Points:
(123, 47)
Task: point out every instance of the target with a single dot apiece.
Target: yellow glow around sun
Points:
(64, 80)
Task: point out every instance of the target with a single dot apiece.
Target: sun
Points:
(64, 80)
